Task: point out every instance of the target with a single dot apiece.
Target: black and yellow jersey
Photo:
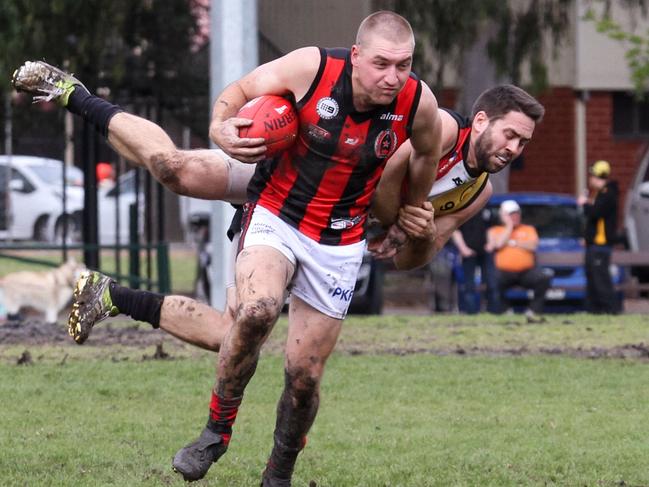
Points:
(454, 188)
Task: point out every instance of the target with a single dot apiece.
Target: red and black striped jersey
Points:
(458, 155)
(324, 184)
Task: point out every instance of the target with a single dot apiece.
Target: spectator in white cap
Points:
(514, 245)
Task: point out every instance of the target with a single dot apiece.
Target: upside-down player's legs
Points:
(197, 323)
(97, 297)
(203, 173)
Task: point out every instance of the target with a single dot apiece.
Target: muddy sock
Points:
(282, 459)
(223, 412)
(139, 305)
(93, 109)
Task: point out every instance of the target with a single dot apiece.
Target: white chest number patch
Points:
(327, 108)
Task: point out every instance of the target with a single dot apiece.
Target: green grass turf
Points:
(392, 413)
(182, 265)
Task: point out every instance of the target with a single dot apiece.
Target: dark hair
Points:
(499, 101)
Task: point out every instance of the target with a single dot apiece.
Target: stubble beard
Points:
(484, 152)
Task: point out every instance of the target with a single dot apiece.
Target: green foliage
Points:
(637, 54)
(516, 33)
(137, 48)
(440, 26)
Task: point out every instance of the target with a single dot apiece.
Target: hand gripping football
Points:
(274, 118)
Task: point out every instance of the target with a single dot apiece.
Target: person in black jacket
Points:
(600, 210)
(471, 240)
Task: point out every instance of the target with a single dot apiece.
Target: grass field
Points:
(407, 401)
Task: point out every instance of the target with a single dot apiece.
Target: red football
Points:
(274, 118)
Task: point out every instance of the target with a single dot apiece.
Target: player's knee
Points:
(257, 316)
(168, 168)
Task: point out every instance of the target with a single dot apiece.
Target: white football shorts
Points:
(325, 275)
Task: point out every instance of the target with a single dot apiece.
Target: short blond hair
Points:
(387, 24)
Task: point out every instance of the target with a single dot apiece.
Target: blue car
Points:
(559, 222)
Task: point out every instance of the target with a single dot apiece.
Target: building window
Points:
(630, 116)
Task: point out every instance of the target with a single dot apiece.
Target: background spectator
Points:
(515, 246)
(600, 209)
(443, 294)
(471, 241)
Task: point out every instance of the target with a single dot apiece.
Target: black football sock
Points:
(139, 305)
(95, 110)
(282, 459)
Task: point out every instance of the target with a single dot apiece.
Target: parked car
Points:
(636, 209)
(559, 223)
(636, 215)
(114, 202)
(35, 203)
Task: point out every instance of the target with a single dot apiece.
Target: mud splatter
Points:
(25, 359)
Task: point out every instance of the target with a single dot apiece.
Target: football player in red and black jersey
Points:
(305, 219)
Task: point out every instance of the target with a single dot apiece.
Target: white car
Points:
(35, 203)
(114, 204)
(33, 209)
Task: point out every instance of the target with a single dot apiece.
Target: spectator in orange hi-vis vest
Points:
(514, 245)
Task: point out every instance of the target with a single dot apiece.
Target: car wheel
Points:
(72, 230)
(40, 229)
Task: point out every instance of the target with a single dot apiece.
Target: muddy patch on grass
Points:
(34, 332)
(634, 351)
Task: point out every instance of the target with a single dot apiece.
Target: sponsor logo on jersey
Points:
(385, 144)
(327, 108)
(446, 164)
(260, 228)
(343, 294)
(392, 117)
(344, 223)
(352, 140)
(317, 134)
